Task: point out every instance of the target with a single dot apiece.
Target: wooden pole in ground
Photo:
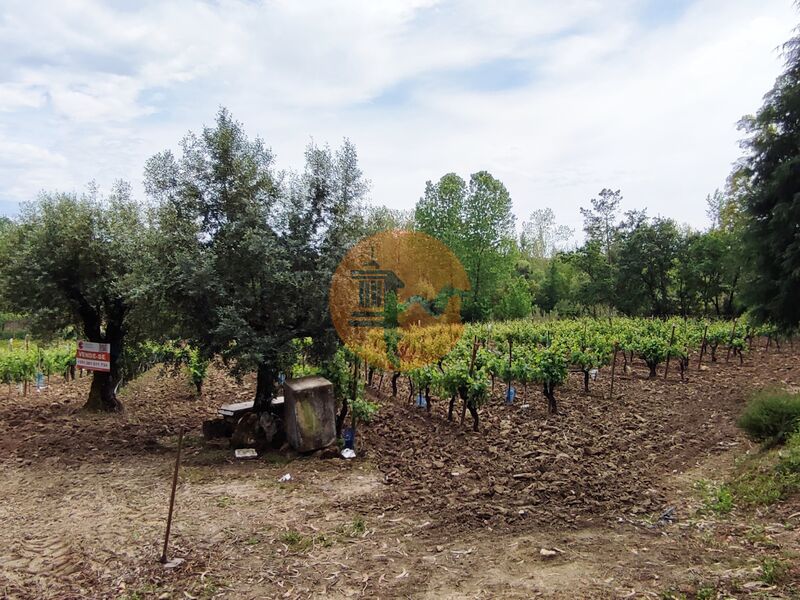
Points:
(510, 344)
(172, 496)
(356, 371)
(474, 352)
(471, 369)
(730, 341)
(613, 369)
(702, 348)
(669, 349)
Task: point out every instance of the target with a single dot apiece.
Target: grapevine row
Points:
(542, 353)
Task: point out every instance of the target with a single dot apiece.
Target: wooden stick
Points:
(471, 369)
(510, 343)
(613, 369)
(474, 352)
(671, 341)
(172, 496)
(702, 348)
(356, 373)
(730, 341)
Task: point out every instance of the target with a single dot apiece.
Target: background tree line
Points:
(628, 263)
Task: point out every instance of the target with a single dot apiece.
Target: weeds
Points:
(706, 593)
(355, 528)
(298, 542)
(295, 540)
(716, 499)
(672, 595)
(767, 477)
(773, 570)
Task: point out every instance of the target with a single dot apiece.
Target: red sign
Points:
(93, 356)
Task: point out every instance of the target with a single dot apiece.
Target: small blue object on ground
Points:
(349, 438)
(511, 393)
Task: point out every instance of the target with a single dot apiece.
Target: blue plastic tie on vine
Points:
(349, 438)
(511, 393)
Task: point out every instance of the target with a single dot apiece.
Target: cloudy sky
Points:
(557, 99)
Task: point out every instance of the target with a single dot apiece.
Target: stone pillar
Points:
(309, 413)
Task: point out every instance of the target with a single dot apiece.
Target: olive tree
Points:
(243, 254)
(69, 260)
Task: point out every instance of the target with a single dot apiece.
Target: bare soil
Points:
(429, 509)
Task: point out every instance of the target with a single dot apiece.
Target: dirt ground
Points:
(565, 506)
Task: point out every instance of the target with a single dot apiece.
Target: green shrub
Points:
(771, 416)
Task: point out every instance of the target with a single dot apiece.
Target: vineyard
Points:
(24, 363)
(86, 494)
(541, 354)
(21, 362)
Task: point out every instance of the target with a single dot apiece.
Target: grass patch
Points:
(706, 593)
(717, 499)
(761, 479)
(789, 456)
(772, 416)
(769, 476)
(356, 528)
(296, 540)
(774, 571)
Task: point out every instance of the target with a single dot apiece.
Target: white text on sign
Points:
(93, 356)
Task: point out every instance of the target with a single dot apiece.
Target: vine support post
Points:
(613, 370)
(669, 350)
(474, 352)
(702, 347)
(356, 372)
(471, 370)
(510, 356)
(730, 341)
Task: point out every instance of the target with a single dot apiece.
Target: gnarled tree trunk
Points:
(103, 392)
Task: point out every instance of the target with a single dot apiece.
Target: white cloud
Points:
(604, 98)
